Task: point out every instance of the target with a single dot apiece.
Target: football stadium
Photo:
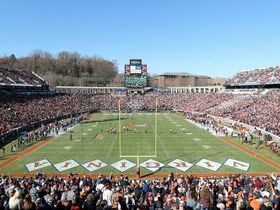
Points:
(87, 132)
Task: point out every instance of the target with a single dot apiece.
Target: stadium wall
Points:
(98, 90)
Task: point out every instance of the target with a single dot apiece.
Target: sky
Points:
(203, 37)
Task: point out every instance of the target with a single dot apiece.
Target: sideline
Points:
(25, 152)
(230, 141)
(264, 159)
(149, 176)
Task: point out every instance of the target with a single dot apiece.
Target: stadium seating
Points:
(21, 110)
(269, 75)
(256, 110)
(238, 192)
(10, 76)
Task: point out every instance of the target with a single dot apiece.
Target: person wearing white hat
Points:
(220, 205)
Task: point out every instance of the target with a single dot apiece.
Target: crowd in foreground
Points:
(238, 192)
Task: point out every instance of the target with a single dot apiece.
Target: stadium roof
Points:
(181, 74)
(175, 74)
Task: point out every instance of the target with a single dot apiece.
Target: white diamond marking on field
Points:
(37, 165)
(180, 164)
(211, 165)
(237, 164)
(123, 165)
(152, 165)
(62, 166)
(94, 165)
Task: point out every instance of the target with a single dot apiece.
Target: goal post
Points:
(122, 152)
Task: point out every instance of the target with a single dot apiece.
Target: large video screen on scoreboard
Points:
(135, 69)
(135, 80)
(135, 74)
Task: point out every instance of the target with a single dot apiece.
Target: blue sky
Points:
(208, 37)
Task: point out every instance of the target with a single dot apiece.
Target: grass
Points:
(91, 141)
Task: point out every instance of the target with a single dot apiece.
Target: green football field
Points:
(159, 139)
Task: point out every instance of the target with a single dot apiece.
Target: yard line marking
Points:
(163, 148)
(196, 139)
(67, 147)
(109, 151)
(206, 146)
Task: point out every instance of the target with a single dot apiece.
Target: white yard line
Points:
(163, 148)
(109, 151)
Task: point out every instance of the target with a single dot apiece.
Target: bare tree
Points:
(66, 68)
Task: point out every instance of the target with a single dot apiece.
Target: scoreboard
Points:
(135, 74)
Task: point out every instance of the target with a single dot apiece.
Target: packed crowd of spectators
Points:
(15, 76)
(21, 110)
(237, 192)
(257, 110)
(254, 109)
(257, 76)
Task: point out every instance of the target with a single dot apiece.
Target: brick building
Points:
(182, 80)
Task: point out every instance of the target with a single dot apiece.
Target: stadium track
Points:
(256, 155)
(24, 152)
(152, 175)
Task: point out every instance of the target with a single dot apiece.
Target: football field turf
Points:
(159, 143)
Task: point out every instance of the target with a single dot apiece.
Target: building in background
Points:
(218, 81)
(170, 79)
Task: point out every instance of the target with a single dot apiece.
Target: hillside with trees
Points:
(66, 68)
